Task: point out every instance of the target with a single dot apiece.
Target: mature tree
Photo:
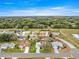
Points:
(6, 37)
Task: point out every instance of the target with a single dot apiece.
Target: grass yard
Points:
(32, 48)
(46, 50)
(15, 50)
(67, 35)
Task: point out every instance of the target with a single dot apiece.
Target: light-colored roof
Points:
(25, 32)
(55, 33)
(7, 32)
(57, 44)
(33, 34)
(7, 45)
(76, 36)
(24, 44)
(44, 33)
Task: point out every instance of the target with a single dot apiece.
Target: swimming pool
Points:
(76, 36)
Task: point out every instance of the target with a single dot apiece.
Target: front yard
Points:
(32, 47)
(14, 50)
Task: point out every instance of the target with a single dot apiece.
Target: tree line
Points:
(68, 22)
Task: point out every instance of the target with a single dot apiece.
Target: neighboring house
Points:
(22, 34)
(19, 34)
(55, 33)
(7, 45)
(38, 45)
(44, 34)
(24, 44)
(26, 33)
(18, 31)
(4, 46)
(7, 32)
(20, 37)
(57, 46)
(12, 45)
(32, 35)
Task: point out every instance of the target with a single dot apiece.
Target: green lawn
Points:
(46, 50)
(68, 36)
(15, 50)
(32, 49)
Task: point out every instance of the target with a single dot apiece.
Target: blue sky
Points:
(39, 7)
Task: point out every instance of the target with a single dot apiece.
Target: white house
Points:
(33, 35)
(26, 33)
(7, 45)
(57, 46)
(55, 33)
(4, 46)
(11, 45)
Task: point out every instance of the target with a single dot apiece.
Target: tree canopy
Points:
(5, 37)
(40, 22)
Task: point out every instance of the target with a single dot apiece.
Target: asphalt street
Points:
(74, 53)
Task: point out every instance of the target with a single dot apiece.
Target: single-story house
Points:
(55, 33)
(24, 44)
(44, 34)
(7, 45)
(26, 33)
(32, 35)
(57, 46)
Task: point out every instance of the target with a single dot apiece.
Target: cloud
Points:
(54, 11)
(58, 8)
(76, 11)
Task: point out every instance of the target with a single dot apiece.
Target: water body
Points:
(76, 36)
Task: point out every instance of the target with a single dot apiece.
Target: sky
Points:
(39, 7)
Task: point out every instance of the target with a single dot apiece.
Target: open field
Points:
(66, 34)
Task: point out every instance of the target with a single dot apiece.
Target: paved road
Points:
(31, 55)
(67, 43)
(73, 52)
